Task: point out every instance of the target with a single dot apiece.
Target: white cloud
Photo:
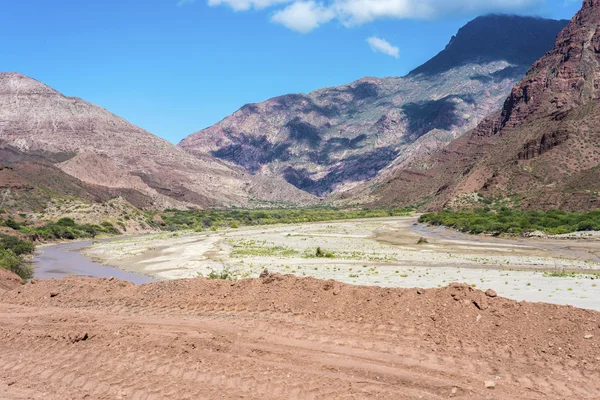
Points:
(356, 12)
(303, 16)
(379, 45)
(243, 5)
(306, 15)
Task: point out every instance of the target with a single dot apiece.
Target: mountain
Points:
(335, 138)
(70, 146)
(542, 150)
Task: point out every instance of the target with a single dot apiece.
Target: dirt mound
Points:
(283, 336)
(9, 280)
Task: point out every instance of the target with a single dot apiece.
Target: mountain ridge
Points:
(99, 148)
(335, 138)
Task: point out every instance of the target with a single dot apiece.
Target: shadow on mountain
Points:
(252, 152)
(434, 114)
(352, 169)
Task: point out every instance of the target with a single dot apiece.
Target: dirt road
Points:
(287, 337)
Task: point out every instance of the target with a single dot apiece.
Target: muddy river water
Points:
(58, 261)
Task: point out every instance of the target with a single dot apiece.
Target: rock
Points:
(454, 390)
(419, 291)
(481, 304)
(53, 294)
(271, 277)
(588, 336)
(264, 274)
(490, 384)
(79, 337)
(491, 293)
(158, 219)
(536, 234)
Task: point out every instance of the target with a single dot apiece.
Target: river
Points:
(61, 260)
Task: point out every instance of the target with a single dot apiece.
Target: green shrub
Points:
(319, 252)
(11, 223)
(515, 222)
(66, 228)
(192, 219)
(18, 246)
(66, 222)
(225, 274)
(12, 262)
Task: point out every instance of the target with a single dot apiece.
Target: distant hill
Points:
(335, 138)
(68, 145)
(542, 149)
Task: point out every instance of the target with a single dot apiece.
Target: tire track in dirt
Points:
(284, 337)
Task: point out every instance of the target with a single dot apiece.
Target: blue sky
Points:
(177, 66)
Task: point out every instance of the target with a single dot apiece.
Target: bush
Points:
(225, 274)
(66, 228)
(66, 222)
(11, 223)
(321, 253)
(18, 246)
(12, 262)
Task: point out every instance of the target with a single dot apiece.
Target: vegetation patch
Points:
(248, 248)
(12, 253)
(322, 253)
(570, 274)
(208, 219)
(515, 222)
(67, 228)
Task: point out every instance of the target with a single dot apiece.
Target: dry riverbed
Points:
(382, 252)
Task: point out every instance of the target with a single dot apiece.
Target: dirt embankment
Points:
(287, 337)
(9, 280)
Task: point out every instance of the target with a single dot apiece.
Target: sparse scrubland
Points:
(515, 222)
(64, 228)
(212, 219)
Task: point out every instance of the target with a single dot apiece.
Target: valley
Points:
(428, 236)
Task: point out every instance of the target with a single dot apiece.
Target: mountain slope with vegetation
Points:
(334, 138)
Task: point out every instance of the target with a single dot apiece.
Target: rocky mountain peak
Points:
(495, 37)
(16, 83)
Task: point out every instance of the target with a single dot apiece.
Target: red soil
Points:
(287, 337)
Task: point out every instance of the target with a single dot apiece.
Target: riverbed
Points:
(382, 252)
